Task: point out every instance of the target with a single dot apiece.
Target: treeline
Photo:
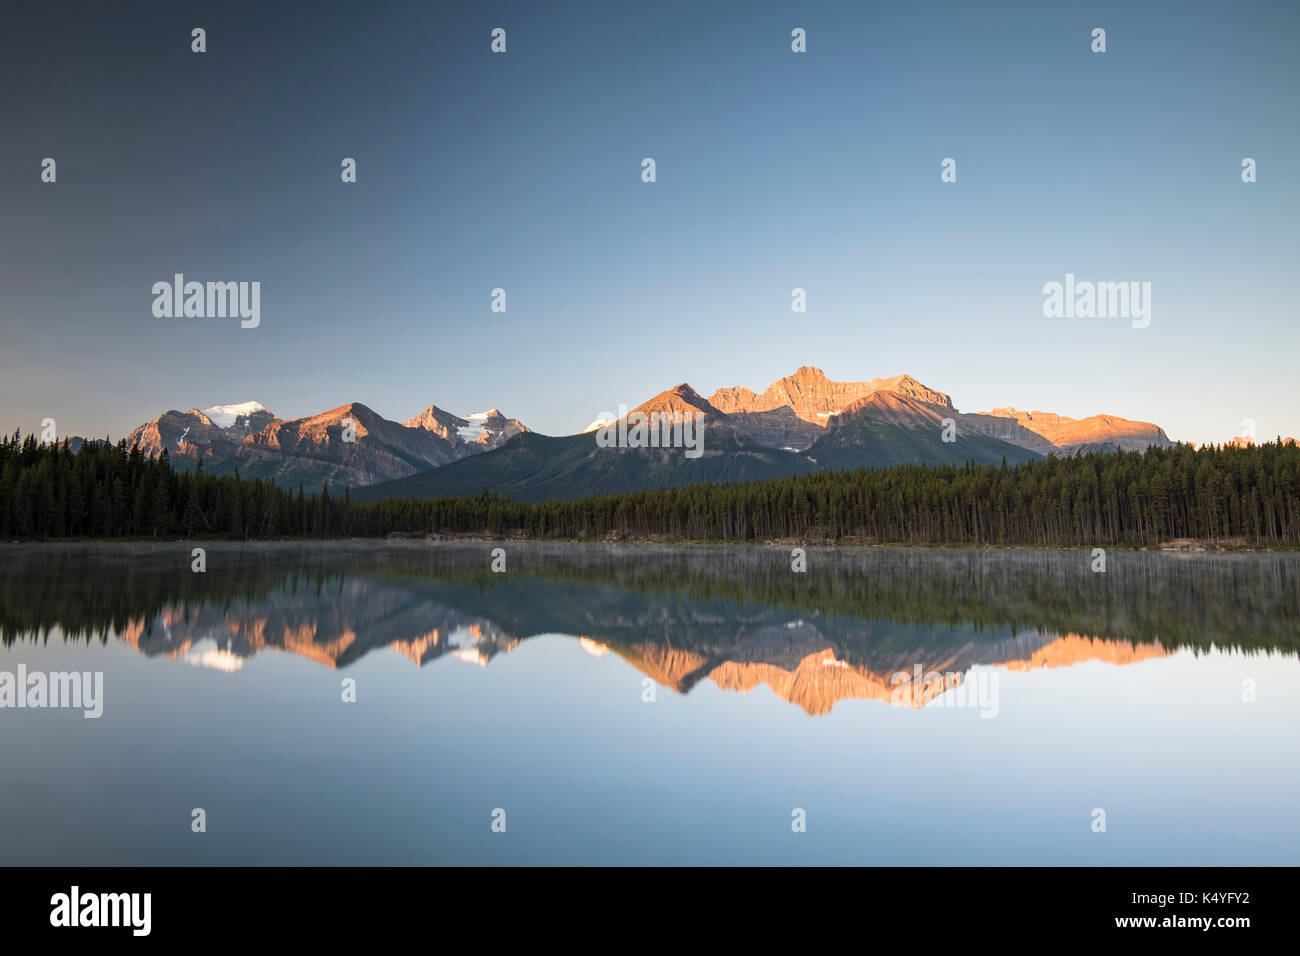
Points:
(1118, 498)
(1114, 498)
(107, 491)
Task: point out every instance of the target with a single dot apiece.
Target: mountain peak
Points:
(680, 399)
(1097, 432)
(816, 398)
(489, 429)
(435, 419)
(808, 372)
(891, 407)
(350, 409)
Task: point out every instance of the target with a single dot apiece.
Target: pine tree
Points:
(192, 518)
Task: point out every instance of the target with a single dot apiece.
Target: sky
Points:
(775, 170)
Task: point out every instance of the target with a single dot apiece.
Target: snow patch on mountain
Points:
(225, 415)
(475, 429)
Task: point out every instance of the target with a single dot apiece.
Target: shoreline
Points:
(413, 541)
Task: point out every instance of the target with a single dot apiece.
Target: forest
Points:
(1248, 496)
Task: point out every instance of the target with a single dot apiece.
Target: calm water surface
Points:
(649, 705)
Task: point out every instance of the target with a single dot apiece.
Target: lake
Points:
(404, 703)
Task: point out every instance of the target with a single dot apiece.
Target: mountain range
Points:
(800, 423)
(350, 445)
(803, 422)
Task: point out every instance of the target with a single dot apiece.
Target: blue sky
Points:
(775, 170)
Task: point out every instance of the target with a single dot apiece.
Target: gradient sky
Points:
(522, 170)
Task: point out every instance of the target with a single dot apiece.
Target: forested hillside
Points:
(1120, 498)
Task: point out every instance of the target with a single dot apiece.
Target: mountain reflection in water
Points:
(895, 625)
